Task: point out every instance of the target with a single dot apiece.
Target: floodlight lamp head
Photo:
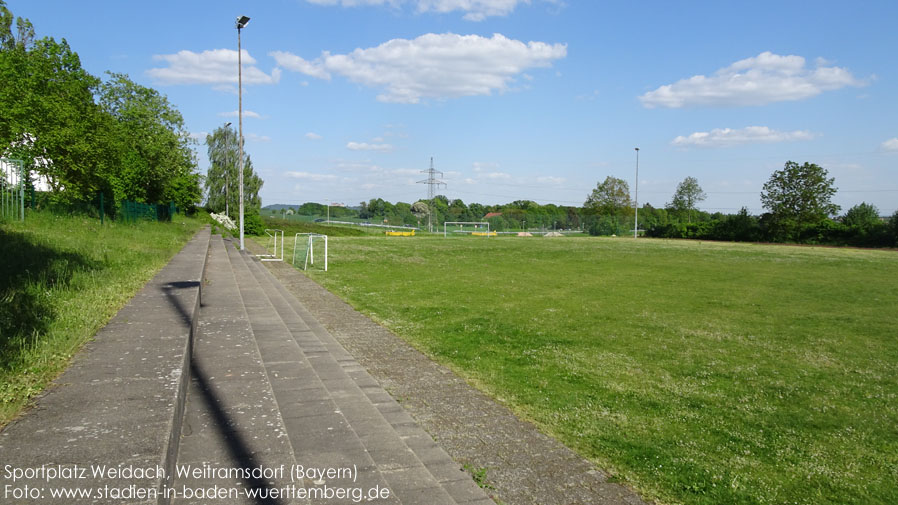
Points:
(242, 21)
(228, 124)
(637, 148)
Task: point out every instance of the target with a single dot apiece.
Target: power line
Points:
(431, 182)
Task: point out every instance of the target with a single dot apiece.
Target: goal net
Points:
(477, 229)
(306, 246)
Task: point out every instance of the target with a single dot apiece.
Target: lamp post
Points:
(636, 223)
(227, 168)
(242, 21)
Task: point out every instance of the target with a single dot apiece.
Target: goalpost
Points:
(273, 240)
(478, 230)
(309, 258)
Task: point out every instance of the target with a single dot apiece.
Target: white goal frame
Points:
(273, 238)
(310, 250)
(482, 223)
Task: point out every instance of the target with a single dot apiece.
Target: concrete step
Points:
(321, 436)
(231, 423)
(417, 470)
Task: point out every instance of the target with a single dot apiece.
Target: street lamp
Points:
(227, 169)
(242, 21)
(636, 223)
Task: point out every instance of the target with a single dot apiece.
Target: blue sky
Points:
(347, 100)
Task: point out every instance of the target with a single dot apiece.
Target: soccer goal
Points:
(308, 256)
(477, 229)
(272, 245)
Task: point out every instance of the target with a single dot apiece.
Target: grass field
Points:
(61, 279)
(699, 373)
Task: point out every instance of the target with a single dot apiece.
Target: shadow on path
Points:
(225, 425)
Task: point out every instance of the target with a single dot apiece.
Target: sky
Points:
(348, 100)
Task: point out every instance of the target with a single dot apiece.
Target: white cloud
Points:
(253, 137)
(307, 176)
(199, 136)
(555, 181)
(356, 166)
(479, 166)
(725, 137)
(214, 67)
(313, 136)
(404, 171)
(364, 146)
(297, 64)
(475, 10)
(436, 66)
(759, 80)
(891, 144)
(246, 113)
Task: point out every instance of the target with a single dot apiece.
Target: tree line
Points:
(797, 200)
(81, 136)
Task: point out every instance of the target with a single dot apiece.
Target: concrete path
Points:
(271, 389)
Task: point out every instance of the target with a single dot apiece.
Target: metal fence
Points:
(12, 189)
(134, 211)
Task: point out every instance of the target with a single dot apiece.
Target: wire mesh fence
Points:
(99, 207)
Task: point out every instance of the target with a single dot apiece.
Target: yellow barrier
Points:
(401, 233)
(483, 234)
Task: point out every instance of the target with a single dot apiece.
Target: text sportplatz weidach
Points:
(201, 482)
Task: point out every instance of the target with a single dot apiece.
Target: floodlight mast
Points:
(227, 169)
(636, 222)
(242, 21)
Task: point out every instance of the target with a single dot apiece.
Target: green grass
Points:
(292, 227)
(700, 373)
(61, 279)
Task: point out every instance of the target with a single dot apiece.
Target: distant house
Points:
(492, 214)
(38, 181)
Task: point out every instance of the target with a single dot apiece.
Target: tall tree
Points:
(862, 217)
(798, 196)
(48, 115)
(687, 197)
(222, 180)
(23, 36)
(157, 158)
(610, 198)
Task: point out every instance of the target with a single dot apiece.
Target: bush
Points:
(252, 222)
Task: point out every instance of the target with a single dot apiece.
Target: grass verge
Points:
(61, 279)
(701, 373)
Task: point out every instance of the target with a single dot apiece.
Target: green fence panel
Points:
(12, 189)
